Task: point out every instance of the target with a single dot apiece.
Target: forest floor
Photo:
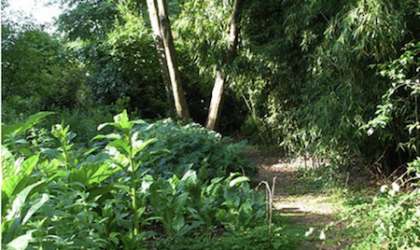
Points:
(308, 212)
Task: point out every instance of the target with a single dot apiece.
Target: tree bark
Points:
(160, 50)
(215, 109)
(172, 65)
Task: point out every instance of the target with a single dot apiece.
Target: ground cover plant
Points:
(133, 188)
(370, 214)
(390, 217)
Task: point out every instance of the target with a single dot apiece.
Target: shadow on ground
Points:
(302, 207)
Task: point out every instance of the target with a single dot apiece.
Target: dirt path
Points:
(304, 207)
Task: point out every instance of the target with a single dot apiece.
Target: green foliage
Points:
(37, 72)
(18, 189)
(98, 61)
(123, 149)
(398, 116)
(69, 195)
(10, 133)
(331, 80)
(204, 29)
(310, 76)
(391, 220)
(115, 45)
(80, 125)
(398, 223)
(193, 147)
(257, 238)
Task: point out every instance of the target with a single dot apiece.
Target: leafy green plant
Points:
(62, 153)
(14, 135)
(124, 148)
(255, 238)
(170, 202)
(93, 171)
(392, 219)
(192, 147)
(18, 189)
(242, 207)
(70, 219)
(227, 203)
(398, 214)
(109, 195)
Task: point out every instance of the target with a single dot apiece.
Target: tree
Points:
(219, 85)
(163, 36)
(160, 50)
(37, 71)
(113, 41)
(319, 80)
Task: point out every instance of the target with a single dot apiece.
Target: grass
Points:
(316, 207)
(255, 239)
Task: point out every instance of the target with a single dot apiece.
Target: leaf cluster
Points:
(113, 195)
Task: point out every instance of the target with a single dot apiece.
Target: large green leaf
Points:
(18, 168)
(8, 185)
(117, 157)
(102, 173)
(36, 118)
(103, 125)
(181, 202)
(92, 173)
(28, 165)
(139, 145)
(35, 207)
(123, 121)
(20, 200)
(14, 184)
(21, 242)
(245, 213)
(7, 161)
(121, 145)
(108, 136)
(178, 222)
(14, 215)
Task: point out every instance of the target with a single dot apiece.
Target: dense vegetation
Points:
(334, 81)
(140, 186)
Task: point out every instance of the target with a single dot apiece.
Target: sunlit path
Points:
(301, 205)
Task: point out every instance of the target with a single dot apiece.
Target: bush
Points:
(122, 192)
(193, 147)
(395, 214)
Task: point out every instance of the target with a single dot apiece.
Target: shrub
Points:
(127, 191)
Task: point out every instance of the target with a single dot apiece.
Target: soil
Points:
(304, 205)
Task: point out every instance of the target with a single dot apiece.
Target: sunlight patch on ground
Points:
(309, 204)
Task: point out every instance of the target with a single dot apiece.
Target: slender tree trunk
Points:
(172, 65)
(215, 109)
(213, 117)
(160, 50)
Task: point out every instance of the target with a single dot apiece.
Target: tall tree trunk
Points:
(160, 50)
(215, 109)
(172, 65)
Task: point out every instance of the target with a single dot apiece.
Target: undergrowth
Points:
(376, 217)
(137, 186)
